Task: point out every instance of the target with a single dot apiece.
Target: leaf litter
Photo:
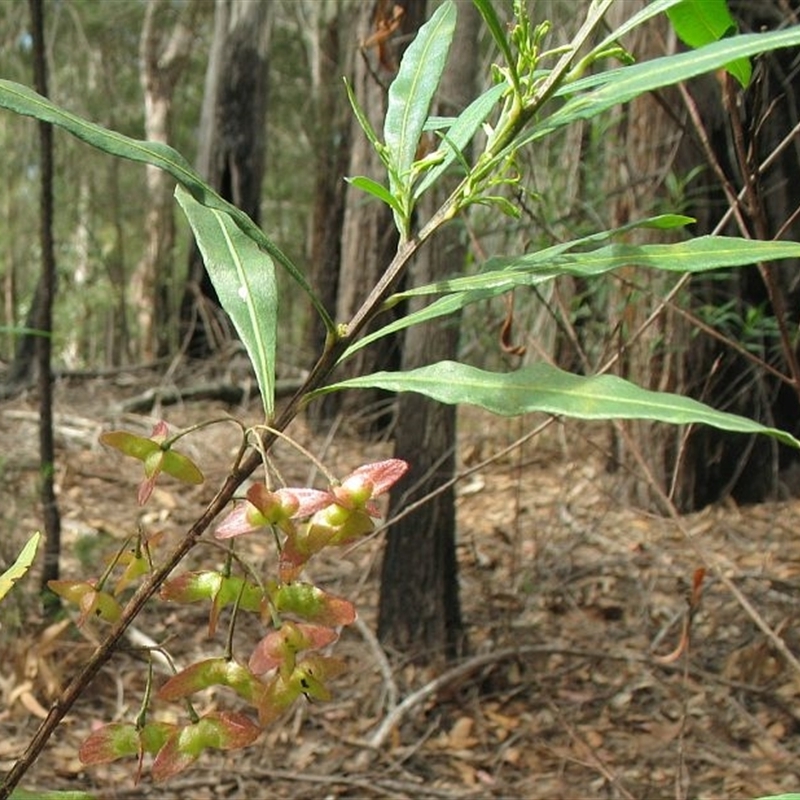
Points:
(572, 602)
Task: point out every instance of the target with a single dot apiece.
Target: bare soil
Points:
(575, 686)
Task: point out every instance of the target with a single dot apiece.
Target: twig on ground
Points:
(595, 760)
(390, 686)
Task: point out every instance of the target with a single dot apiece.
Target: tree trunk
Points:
(161, 64)
(701, 465)
(745, 128)
(369, 239)
(640, 155)
(231, 150)
(419, 613)
(47, 496)
(332, 136)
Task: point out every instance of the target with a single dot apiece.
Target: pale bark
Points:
(162, 60)
(231, 148)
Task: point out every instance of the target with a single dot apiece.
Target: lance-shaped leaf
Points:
(213, 672)
(487, 10)
(701, 254)
(220, 730)
(410, 96)
(542, 387)
(244, 278)
(592, 95)
(503, 273)
(459, 135)
(377, 190)
(20, 566)
(23, 100)
(55, 794)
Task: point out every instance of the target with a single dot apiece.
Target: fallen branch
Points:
(225, 392)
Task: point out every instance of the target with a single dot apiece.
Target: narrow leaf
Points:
(592, 95)
(460, 134)
(411, 93)
(363, 121)
(23, 100)
(651, 10)
(377, 190)
(694, 255)
(244, 278)
(487, 11)
(542, 387)
(456, 301)
(54, 794)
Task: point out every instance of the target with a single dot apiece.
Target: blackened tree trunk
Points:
(47, 496)
(419, 612)
(231, 149)
(729, 133)
(746, 130)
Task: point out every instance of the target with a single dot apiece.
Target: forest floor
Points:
(574, 605)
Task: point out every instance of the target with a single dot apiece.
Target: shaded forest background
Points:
(252, 93)
(131, 290)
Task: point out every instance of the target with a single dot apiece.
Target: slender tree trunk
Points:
(47, 496)
(162, 62)
(231, 149)
(640, 156)
(332, 133)
(419, 612)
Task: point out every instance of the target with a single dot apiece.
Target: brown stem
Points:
(249, 464)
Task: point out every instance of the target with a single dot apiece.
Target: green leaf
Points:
(20, 566)
(651, 10)
(542, 387)
(22, 100)
(377, 190)
(410, 96)
(364, 123)
(460, 134)
(487, 11)
(244, 278)
(456, 301)
(504, 273)
(695, 255)
(791, 796)
(592, 95)
(700, 22)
